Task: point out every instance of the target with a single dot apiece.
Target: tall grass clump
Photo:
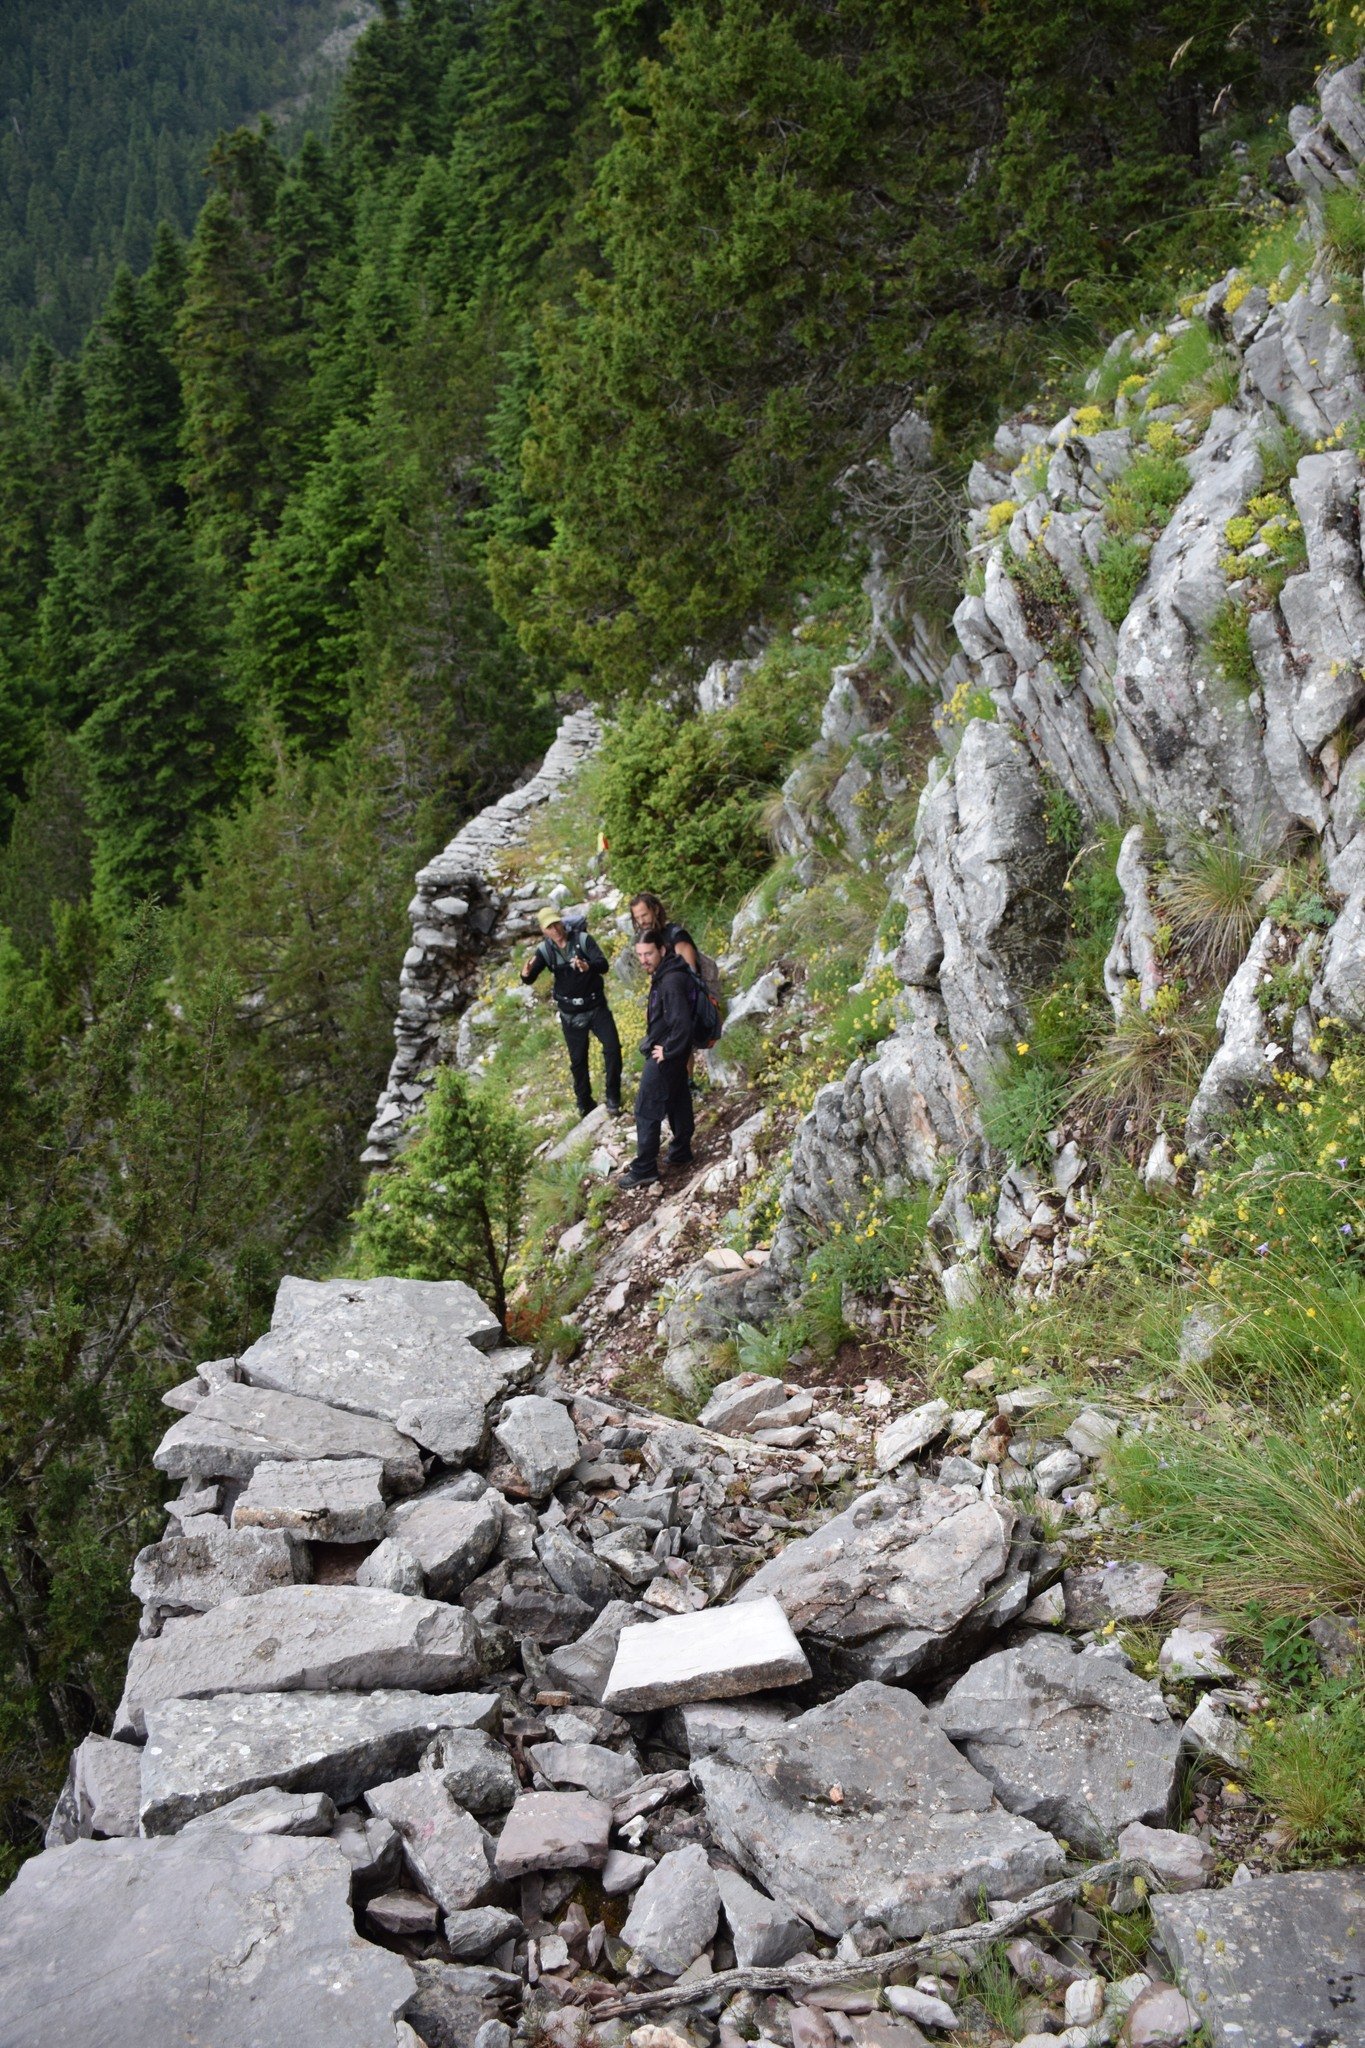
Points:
(1210, 898)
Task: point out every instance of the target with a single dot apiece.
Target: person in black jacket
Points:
(576, 964)
(664, 1089)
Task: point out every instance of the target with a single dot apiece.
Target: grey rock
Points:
(899, 1582)
(272, 1812)
(714, 1654)
(1182, 1862)
(451, 1538)
(201, 1753)
(862, 1813)
(1071, 1740)
(328, 1500)
(454, 1426)
(576, 1569)
(1241, 1064)
(699, 1729)
(447, 1305)
(1160, 2017)
(204, 1563)
(236, 1428)
(553, 1831)
(476, 1932)
(762, 1932)
(1212, 1730)
(1113, 1592)
(377, 1346)
(539, 1437)
(454, 2003)
(675, 1911)
(102, 1793)
(475, 1770)
(909, 1434)
(1277, 1960)
(403, 1913)
(392, 1568)
(302, 1638)
(629, 1550)
(622, 1872)
(603, 1773)
(202, 1936)
(1092, 1433)
(371, 1847)
(923, 2007)
(443, 1845)
(760, 999)
(584, 1667)
(1194, 1653)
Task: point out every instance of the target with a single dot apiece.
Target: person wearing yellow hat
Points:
(577, 967)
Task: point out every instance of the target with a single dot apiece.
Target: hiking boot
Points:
(681, 1159)
(613, 1109)
(633, 1176)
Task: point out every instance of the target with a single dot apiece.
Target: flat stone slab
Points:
(201, 1753)
(202, 1563)
(272, 1812)
(374, 1347)
(588, 1766)
(302, 1639)
(1073, 1740)
(220, 1938)
(583, 1667)
(862, 1811)
(909, 1434)
(1096, 1593)
(539, 1437)
(448, 1304)
(737, 1404)
(451, 1539)
(554, 1831)
(1276, 1963)
(719, 1653)
(328, 1500)
(236, 1428)
(903, 1579)
(442, 1844)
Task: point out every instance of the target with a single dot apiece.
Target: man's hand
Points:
(658, 1054)
(580, 965)
(527, 964)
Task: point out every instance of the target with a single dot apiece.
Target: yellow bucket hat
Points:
(550, 916)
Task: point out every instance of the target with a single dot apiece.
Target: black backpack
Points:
(707, 1023)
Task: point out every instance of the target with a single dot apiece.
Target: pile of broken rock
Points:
(466, 1704)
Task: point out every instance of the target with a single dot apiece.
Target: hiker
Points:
(647, 914)
(577, 964)
(664, 1087)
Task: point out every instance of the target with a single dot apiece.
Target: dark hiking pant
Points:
(665, 1091)
(601, 1025)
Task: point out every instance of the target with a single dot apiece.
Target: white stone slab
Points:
(328, 1500)
(721, 1653)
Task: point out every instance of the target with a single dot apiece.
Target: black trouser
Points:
(600, 1023)
(665, 1091)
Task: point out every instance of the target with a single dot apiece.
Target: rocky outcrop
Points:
(460, 913)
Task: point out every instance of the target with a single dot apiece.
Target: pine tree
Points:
(157, 742)
(132, 392)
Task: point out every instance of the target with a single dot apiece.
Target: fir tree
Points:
(156, 742)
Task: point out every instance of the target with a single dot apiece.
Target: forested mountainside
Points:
(106, 110)
(567, 361)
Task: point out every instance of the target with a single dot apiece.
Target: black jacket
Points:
(669, 1019)
(576, 993)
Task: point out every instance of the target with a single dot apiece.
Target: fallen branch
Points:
(818, 1975)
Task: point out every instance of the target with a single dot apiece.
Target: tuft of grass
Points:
(1210, 898)
(1149, 1061)
(1344, 218)
(993, 1984)
(766, 1351)
(1117, 577)
(1281, 452)
(1308, 1765)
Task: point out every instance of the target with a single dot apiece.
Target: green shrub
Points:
(1019, 1109)
(1147, 493)
(682, 797)
(453, 1208)
(1230, 647)
(1117, 575)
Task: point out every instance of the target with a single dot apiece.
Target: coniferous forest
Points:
(534, 380)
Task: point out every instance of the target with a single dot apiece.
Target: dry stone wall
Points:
(460, 913)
